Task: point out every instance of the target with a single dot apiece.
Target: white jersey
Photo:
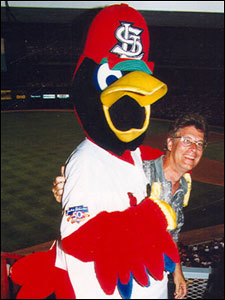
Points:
(97, 181)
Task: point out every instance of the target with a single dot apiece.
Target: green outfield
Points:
(34, 145)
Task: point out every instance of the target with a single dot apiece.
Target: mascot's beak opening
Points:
(139, 86)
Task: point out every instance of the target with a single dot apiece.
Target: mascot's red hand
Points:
(39, 278)
(119, 243)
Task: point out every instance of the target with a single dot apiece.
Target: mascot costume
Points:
(114, 238)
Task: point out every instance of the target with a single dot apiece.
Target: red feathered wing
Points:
(119, 243)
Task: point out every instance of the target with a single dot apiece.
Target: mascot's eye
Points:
(104, 76)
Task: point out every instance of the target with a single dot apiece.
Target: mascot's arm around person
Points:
(114, 241)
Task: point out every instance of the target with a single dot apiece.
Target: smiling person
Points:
(186, 139)
(169, 175)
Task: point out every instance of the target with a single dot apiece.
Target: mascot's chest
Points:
(109, 179)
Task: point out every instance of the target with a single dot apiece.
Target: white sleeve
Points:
(80, 196)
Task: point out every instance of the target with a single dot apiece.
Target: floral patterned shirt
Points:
(154, 173)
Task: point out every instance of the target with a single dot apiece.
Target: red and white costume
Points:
(100, 181)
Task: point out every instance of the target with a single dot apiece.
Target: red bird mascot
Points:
(114, 239)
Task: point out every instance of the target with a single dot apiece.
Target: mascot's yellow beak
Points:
(140, 86)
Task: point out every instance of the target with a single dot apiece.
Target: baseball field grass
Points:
(33, 147)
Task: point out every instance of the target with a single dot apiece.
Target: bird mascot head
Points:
(113, 87)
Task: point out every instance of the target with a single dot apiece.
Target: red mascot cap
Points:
(119, 35)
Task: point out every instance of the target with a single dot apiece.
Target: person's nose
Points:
(194, 147)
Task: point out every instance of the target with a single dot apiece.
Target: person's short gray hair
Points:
(188, 119)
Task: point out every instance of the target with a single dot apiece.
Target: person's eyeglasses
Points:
(188, 142)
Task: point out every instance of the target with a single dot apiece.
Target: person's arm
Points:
(180, 283)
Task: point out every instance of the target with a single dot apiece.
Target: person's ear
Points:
(169, 142)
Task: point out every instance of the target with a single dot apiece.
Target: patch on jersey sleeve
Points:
(77, 214)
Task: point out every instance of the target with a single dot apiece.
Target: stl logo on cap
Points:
(129, 38)
(118, 33)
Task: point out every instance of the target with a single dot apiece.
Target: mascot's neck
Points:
(126, 156)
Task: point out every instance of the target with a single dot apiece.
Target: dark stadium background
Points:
(42, 46)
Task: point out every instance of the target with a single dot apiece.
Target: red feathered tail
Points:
(39, 278)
